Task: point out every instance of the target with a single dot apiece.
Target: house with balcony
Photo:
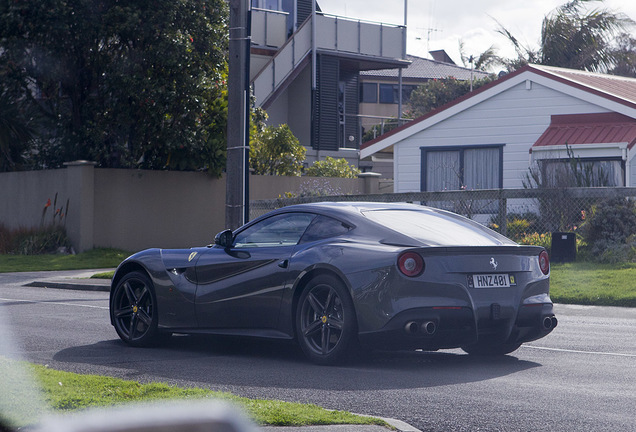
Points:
(536, 117)
(380, 98)
(305, 71)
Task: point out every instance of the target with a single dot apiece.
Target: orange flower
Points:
(48, 203)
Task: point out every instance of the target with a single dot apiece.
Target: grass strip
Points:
(104, 275)
(66, 391)
(96, 258)
(587, 283)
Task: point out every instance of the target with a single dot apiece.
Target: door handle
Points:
(283, 263)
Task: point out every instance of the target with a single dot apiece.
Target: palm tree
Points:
(626, 54)
(482, 62)
(575, 37)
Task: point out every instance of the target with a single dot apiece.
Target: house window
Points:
(388, 93)
(368, 93)
(455, 168)
(274, 5)
(587, 173)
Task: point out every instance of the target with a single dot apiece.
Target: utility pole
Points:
(237, 171)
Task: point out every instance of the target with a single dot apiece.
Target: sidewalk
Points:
(81, 280)
(75, 280)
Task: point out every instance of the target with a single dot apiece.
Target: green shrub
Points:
(42, 240)
(33, 241)
(517, 224)
(536, 239)
(49, 237)
(276, 151)
(609, 231)
(517, 228)
(331, 167)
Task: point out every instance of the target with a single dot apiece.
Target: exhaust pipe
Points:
(429, 327)
(554, 322)
(411, 327)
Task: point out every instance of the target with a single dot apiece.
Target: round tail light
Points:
(544, 262)
(411, 264)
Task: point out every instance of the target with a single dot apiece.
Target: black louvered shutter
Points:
(326, 120)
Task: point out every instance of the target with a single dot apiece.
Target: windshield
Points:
(437, 228)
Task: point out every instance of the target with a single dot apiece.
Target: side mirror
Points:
(224, 238)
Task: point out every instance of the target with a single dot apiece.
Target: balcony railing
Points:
(269, 28)
(336, 34)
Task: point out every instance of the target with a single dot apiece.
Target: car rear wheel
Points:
(133, 310)
(325, 320)
(484, 349)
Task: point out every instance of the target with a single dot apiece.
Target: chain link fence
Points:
(525, 215)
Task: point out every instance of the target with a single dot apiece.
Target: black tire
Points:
(133, 310)
(491, 349)
(325, 321)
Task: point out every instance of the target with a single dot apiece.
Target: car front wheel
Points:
(325, 320)
(133, 310)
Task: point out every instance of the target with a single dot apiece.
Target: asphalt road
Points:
(582, 377)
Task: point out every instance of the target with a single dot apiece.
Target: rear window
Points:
(436, 228)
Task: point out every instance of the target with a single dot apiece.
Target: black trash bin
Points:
(563, 247)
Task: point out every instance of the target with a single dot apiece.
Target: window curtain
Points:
(442, 171)
(481, 168)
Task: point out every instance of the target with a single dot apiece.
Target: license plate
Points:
(491, 281)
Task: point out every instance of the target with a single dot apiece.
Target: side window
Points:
(368, 93)
(279, 230)
(324, 227)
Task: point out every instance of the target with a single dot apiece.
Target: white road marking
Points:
(580, 352)
(55, 303)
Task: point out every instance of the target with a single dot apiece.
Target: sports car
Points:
(338, 276)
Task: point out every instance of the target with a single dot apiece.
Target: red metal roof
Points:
(611, 85)
(602, 128)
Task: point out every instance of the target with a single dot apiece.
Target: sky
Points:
(440, 24)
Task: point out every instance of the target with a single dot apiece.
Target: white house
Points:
(489, 138)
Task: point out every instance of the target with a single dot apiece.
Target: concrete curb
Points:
(73, 284)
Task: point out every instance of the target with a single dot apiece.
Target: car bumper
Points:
(445, 328)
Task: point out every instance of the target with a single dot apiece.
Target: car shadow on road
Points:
(215, 362)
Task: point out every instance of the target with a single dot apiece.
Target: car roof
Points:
(349, 207)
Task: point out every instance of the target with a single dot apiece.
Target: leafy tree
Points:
(276, 151)
(331, 167)
(121, 82)
(435, 93)
(574, 37)
(15, 134)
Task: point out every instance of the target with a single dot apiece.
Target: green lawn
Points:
(594, 284)
(65, 391)
(576, 283)
(96, 258)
